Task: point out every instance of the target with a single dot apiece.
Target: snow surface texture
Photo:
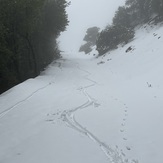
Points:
(88, 109)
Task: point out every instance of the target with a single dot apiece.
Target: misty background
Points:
(83, 14)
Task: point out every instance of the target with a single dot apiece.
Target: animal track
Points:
(68, 116)
(128, 148)
(53, 117)
(123, 128)
(122, 124)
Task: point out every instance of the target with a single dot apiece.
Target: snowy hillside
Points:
(84, 109)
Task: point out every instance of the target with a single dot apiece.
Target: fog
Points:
(83, 14)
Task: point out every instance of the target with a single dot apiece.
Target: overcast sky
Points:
(83, 14)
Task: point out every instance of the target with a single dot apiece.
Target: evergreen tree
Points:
(126, 18)
(112, 36)
(144, 9)
(157, 8)
(91, 35)
(122, 17)
(28, 33)
(90, 39)
(86, 48)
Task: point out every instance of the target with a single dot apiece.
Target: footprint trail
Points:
(114, 155)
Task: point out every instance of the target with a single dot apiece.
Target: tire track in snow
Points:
(114, 155)
(5, 112)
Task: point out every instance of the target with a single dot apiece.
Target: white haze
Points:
(83, 14)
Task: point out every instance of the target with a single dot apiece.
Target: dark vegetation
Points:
(126, 18)
(28, 33)
(112, 36)
(90, 39)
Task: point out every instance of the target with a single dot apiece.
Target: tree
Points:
(28, 37)
(157, 8)
(145, 9)
(112, 36)
(86, 48)
(126, 18)
(91, 35)
(138, 10)
(122, 17)
(90, 39)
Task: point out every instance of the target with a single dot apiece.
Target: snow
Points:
(87, 109)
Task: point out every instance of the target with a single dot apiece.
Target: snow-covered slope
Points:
(87, 109)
